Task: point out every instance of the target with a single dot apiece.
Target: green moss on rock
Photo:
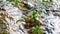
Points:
(1, 21)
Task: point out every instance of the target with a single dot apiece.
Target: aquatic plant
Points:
(34, 16)
(15, 2)
(37, 30)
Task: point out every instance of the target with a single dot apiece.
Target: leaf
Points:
(16, 3)
(37, 30)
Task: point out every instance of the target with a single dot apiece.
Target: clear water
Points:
(52, 21)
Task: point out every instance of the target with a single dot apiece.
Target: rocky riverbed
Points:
(9, 16)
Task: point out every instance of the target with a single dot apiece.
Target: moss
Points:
(1, 22)
(3, 27)
(37, 30)
(5, 32)
(34, 16)
(16, 2)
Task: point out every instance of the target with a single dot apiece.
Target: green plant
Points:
(37, 30)
(34, 16)
(15, 2)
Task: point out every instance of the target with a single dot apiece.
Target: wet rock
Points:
(3, 28)
(28, 26)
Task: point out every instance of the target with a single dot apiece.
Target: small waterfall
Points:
(52, 23)
(51, 20)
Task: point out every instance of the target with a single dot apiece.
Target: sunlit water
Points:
(52, 22)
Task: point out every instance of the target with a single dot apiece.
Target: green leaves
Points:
(16, 2)
(34, 16)
(37, 30)
(1, 21)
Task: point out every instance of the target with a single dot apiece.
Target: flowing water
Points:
(51, 20)
(52, 23)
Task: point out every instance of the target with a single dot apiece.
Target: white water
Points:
(15, 13)
(52, 22)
